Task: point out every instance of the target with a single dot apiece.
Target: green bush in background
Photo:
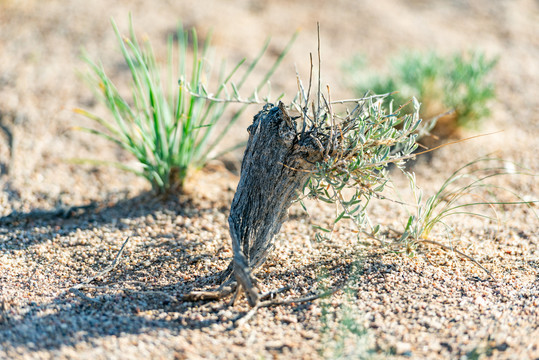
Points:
(440, 83)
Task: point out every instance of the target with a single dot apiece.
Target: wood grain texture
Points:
(276, 165)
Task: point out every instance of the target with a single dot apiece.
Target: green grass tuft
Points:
(167, 124)
(465, 192)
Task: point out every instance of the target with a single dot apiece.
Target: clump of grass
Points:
(441, 83)
(167, 127)
(466, 192)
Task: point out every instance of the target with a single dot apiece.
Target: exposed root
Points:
(211, 295)
(243, 319)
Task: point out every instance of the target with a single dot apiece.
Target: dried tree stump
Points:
(276, 165)
(343, 151)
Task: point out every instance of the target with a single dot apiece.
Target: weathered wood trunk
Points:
(276, 165)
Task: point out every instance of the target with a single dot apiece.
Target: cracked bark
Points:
(276, 164)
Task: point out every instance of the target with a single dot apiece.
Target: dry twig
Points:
(243, 319)
(448, 248)
(76, 289)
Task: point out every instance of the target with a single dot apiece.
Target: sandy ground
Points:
(434, 305)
